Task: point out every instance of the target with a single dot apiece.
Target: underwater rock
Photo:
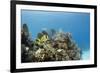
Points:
(25, 36)
(62, 55)
(43, 55)
(25, 30)
(48, 46)
(24, 54)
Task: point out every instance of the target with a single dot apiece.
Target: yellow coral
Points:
(44, 38)
(41, 40)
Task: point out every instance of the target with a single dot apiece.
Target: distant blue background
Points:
(76, 23)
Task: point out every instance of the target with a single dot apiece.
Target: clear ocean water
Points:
(74, 22)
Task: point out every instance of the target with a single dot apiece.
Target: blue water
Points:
(76, 23)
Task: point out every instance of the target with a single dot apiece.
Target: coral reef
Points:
(50, 45)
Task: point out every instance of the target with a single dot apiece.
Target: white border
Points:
(20, 65)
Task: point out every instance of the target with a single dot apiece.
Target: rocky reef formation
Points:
(50, 45)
